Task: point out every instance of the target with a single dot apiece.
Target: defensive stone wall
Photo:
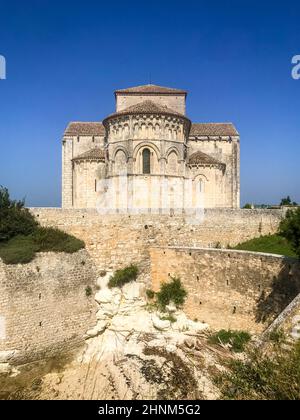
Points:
(229, 289)
(44, 307)
(115, 241)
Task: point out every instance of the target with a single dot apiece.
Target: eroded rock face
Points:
(125, 310)
(134, 353)
(141, 352)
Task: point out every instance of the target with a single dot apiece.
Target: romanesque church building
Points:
(149, 157)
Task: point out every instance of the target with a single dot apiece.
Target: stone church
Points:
(148, 157)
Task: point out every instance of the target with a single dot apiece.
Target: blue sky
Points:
(64, 59)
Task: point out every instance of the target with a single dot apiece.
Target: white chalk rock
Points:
(101, 315)
(132, 291)
(171, 348)
(171, 308)
(198, 326)
(102, 282)
(160, 324)
(104, 296)
(98, 329)
(116, 298)
(109, 309)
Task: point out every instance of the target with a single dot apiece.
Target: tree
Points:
(247, 206)
(286, 201)
(15, 219)
(290, 229)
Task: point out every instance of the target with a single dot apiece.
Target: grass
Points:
(262, 376)
(121, 277)
(272, 244)
(18, 250)
(237, 339)
(22, 249)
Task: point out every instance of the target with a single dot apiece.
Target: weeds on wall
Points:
(171, 292)
(121, 277)
(88, 291)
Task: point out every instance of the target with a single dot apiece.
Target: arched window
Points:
(200, 185)
(146, 161)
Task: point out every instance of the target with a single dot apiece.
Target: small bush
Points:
(237, 339)
(150, 294)
(123, 276)
(171, 292)
(262, 376)
(50, 239)
(88, 291)
(15, 219)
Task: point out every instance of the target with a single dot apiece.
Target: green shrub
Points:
(262, 376)
(171, 292)
(19, 250)
(88, 291)
(237, 339)
(150, 294)
(49, 239)
(121, 277)
(247, 206)
(15, 219)
(290, 229)
(287, 202)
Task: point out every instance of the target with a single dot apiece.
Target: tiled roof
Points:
(151, 89)
(94, 154)
(146, 107)
(197, 129)
(213, 129)
(198, 158)
(85, 129)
